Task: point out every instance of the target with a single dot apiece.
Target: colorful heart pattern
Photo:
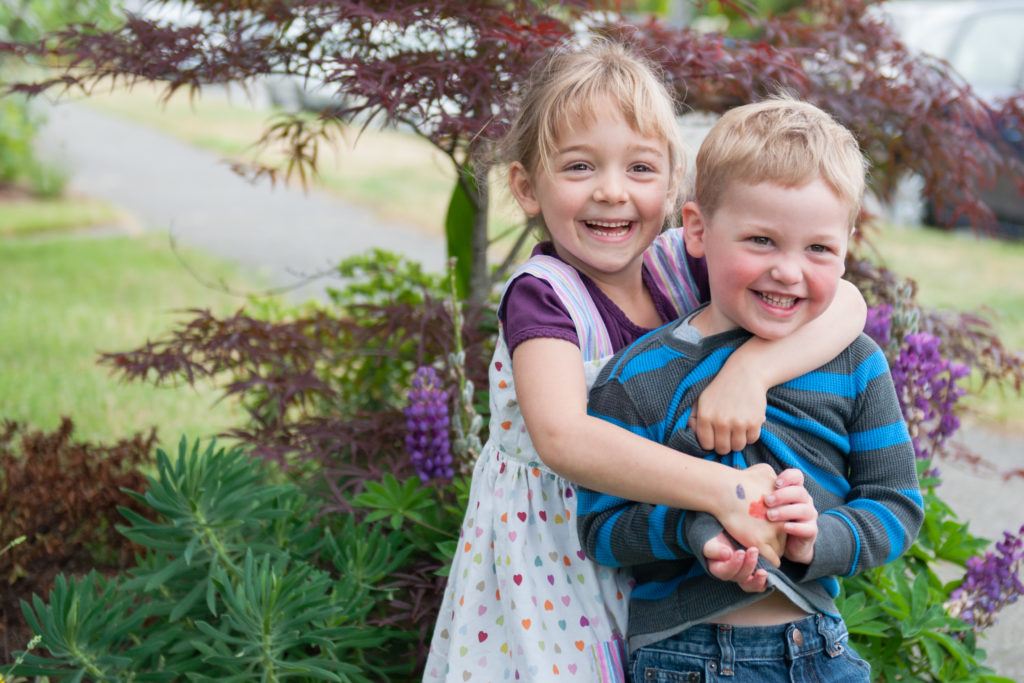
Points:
(523, 603)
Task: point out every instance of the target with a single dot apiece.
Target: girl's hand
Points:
(792, 505)
(730, 411)
(744, 515)
(729, 563)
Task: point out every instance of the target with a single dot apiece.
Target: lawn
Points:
(23, 215)
(65, 298)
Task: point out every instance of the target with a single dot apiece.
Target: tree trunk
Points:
(480, 277)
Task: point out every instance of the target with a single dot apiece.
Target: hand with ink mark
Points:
(740, 515)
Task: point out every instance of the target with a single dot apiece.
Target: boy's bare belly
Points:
(774, 609)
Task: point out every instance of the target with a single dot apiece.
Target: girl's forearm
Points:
(551, 389)
(604, 457)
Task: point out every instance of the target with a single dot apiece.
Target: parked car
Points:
(983, 40)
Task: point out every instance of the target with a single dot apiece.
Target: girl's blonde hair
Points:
(568, 88)
(780, 140)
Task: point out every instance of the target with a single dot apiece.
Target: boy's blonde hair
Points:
(569, 87)
(780, 140)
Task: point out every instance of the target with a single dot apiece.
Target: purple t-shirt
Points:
(532, 309)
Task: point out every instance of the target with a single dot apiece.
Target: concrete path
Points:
(284, 234)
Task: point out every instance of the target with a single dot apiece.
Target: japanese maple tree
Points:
(451, 69)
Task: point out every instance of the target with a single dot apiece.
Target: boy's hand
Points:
(729, 563)
(744, 515)
(729, 413)
(792, 505)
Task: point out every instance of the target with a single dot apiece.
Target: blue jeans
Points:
(810, 650)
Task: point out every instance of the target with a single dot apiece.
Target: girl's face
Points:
(605, 196)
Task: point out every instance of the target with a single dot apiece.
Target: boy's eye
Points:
(819, 249)
(641, 168)
(760, 239)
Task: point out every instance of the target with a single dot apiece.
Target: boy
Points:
(778, 189)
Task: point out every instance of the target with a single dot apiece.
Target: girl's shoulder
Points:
(678, 276)
(547, 285)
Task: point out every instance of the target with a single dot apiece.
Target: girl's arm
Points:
(730, 411)
(551, 389)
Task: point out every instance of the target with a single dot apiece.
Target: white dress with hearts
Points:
(522, 601)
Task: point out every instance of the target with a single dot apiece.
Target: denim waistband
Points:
(807, 636)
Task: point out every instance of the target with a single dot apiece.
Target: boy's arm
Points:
(884, 509)
(731, 410)
(595, 454)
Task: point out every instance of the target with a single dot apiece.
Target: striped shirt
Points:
(840, 424)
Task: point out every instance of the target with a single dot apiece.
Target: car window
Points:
(989, 53)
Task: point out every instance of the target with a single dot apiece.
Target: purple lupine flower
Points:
(426, 418)
(926, 384)
(991, 583)
(879, 324)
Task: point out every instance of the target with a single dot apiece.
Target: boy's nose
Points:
(786, 271)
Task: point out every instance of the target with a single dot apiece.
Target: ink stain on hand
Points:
(740, 493)
(758, 510)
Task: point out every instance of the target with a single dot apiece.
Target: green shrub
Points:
(239, 581)
(897, 614)
(60, 495)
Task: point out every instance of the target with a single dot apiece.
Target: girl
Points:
(595, 152)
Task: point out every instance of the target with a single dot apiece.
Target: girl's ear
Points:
(522, 189)
(694, 229)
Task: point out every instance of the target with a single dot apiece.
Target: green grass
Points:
(962, 272)
(62, 300)
(25, 216)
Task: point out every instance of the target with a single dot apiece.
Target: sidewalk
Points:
(285, 234)
(282, 233)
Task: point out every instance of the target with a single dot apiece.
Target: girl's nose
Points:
(610, 189)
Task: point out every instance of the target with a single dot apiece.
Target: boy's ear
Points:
(522, 189)
(694, 229)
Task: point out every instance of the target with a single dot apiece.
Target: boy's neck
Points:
(704, 323)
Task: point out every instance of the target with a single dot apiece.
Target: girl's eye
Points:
(576, 166)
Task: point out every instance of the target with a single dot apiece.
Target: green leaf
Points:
(458, 230)
(183, 605)
(161, 576)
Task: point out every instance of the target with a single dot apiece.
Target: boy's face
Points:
(774, 256)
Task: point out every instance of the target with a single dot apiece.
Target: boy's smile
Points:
(774, 255)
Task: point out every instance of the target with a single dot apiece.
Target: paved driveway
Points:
(282, 233)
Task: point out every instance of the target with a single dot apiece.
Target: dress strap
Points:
(595, 342)
(666, 262)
